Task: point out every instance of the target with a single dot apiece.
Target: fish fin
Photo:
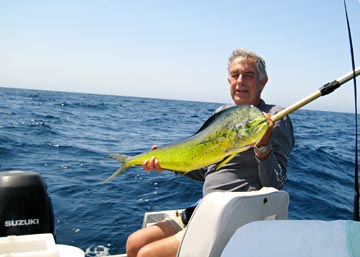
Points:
(213, 117)
(226, 160)
(229, 157)
(239, 150)
(208, 122)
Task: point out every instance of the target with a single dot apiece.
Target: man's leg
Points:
(145, 236)
(166, 247)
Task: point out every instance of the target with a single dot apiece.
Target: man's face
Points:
(245, 85)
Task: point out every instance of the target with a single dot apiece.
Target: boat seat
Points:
(219, 214)
(296, 238)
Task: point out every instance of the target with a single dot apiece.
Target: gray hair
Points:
(244, 54)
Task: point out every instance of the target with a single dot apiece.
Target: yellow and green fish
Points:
(222, 136)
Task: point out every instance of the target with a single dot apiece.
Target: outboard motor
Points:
(25, 206)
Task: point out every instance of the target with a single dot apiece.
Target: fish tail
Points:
(115, 174)
(122, 159)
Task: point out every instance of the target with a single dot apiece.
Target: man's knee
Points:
(137, 243)
(166, 247)
(133, 244)
(145, 251)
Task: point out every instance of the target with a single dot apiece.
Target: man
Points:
(264, 165)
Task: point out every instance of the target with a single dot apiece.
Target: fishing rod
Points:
(324, 90)
(356, 166)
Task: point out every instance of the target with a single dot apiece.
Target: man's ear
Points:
(263, 83)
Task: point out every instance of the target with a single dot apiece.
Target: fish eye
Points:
(247, 125)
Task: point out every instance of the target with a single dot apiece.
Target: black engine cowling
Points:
(25, 205)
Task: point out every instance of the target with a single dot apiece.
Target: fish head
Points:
(250, 128)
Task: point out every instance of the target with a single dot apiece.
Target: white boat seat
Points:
(219, 214)
(296, 238)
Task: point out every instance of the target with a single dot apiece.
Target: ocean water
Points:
(67, 136)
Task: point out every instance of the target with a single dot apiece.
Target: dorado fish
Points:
(223, 135)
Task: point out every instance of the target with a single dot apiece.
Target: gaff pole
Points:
(324, 90)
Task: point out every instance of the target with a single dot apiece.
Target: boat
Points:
(255, 224)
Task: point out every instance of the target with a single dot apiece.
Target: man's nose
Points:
(240, 78)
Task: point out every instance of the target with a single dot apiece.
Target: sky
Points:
(178, 49)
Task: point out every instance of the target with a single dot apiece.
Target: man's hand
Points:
(263, 148)
(153, 163)
(266, 138)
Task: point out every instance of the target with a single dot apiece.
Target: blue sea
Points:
(67, 136)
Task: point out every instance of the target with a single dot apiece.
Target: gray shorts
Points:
(176, 222)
